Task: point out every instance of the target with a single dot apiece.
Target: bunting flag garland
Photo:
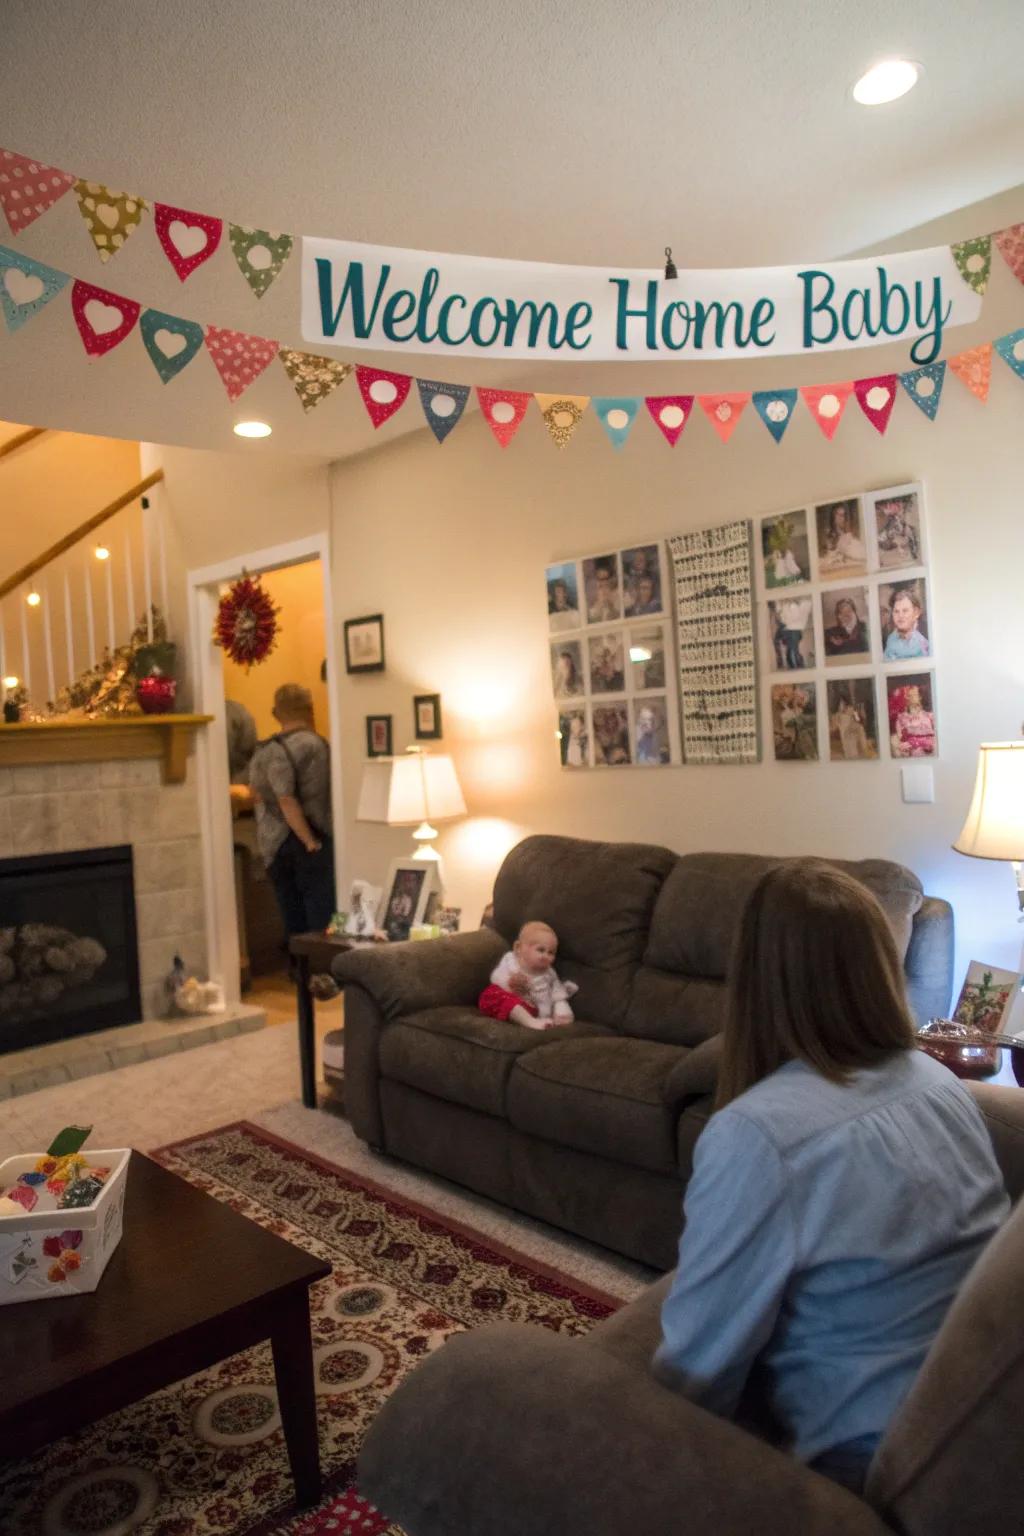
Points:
(775, 408)
(313, 377)
(170, 342)
(260, 255)
(110, 217)
(974, 368)
(670, 413)
(826, 403)
(503, 410)
(924, 386)
(103, 318)
(443, 405)
(188, 239)
(383, 393)
(617, 414)
(974, 261)
(723, 412)
(562, 415)
(238, 358)
(1011, 350)
(28, 188)
(876, 398)
(1010, 245)
(26, 287)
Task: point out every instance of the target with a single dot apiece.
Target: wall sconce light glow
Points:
(101, 552)
(252, 429)
(639, 653)
(33, 599)
(10, 682)
(886, 81)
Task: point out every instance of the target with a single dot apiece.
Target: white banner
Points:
(386, 299)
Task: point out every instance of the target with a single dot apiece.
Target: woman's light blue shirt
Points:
(828, 1228)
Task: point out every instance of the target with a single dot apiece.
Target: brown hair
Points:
(815, 977)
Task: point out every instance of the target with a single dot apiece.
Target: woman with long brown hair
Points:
(841, 1191)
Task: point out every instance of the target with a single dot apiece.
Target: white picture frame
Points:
(407, 890)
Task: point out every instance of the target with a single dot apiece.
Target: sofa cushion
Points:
(681, 1010)
(600, 1095)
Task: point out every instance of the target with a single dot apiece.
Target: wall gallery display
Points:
(364, 644)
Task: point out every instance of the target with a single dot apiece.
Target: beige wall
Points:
(297, 656)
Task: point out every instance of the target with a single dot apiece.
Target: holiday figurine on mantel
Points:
(113, 685)
(246, 625)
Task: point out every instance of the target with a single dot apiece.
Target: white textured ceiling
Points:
(556, 130)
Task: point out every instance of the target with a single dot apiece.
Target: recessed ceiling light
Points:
(252, 429)
(886, 81)
(33, 599)
(101, 552)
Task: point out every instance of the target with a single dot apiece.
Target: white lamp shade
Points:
(994, 828)
(403, 791)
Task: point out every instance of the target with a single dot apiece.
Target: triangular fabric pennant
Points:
(103, 318)
(670, 413)
(876, 398)
(188, 239)
(383, 393)
(314, 377)
(826, 403)
(924, 386)
(974, 261)
(1010, 245)
(562, 415)
(28, 188)
(617, 413)
(110, 217)
(503, 410)
(171, 342)
(443, 405)
(723, 412)
(26, 287)
(1011, 350)
(238, 358)
(775, 408)
(974, 368)
(260, 255)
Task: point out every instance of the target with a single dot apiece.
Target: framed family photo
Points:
(364, 644)
(426, 709)
(898, 515)
(852, 720)
(563, 596)
(410, 885)
(791, 632)
(785, 549)
(842, 551)
(378, 735)
(903, 614)
(795, 722)
(844, 625)
(910, 701)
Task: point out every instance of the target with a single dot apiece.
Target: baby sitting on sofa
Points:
(524, 987)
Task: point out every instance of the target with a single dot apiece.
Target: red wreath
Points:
(246, 626)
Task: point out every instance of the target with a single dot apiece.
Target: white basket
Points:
(27, 1271)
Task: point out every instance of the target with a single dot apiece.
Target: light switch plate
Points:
(918, 782)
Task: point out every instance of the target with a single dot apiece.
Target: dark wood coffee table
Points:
(190, 1283)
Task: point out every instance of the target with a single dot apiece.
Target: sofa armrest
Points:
(696, 1075)
(403, 978)
(1003, 1108)
(929, 960)
(531, 1430)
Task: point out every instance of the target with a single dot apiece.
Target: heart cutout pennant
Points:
(443, 405)
(103, 318)
(28, 188)
(260, 255)
(670, 413)
(924, 386)
(170, 342)
(238, 357)
(383, 393)
(26, 287)
(775, 408)
(876, 398)
(503, 410)
(562, 415)
(188, 239)
(826, 403)
(313, 377)
(723, 412)
(617, 414)
(110, 217)
(974, 368)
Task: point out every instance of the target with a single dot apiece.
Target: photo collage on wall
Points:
(847, 629)
(612, 670)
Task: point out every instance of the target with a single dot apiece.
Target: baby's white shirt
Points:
(546, 989)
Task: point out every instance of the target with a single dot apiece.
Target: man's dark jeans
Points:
(304, 885)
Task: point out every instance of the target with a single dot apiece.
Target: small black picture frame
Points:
(426, 715)
(364, 644)
(378, 736)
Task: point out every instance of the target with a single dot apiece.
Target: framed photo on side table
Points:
(364, 644)
(426, 712)
(410, 884)
(378, 736)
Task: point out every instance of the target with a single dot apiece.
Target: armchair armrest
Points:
(520, 1419)
(696, 1075)
(403, 978)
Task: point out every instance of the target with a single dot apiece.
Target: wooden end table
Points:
(313, 953)
(190, 1282)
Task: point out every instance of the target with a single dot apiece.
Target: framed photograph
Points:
(647, 658)
(378, 735)
(410, 884)
(364, 644)
(574, 738)
(563, 596)
(910, 701)
(903, 613)
(785, 549)
(844, 626)
(601, 588)
(607, 663)
(641, 581)
(898, 526)
(426, 712)
(363, 905)
(842, 552)
(567, 669)
(791, 633)
(795, 722)
(852, 720)
(650, 732)
(611, 736)
(986, 998)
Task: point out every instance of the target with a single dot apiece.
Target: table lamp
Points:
(994, 828)
(412, 791)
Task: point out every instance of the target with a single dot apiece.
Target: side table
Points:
(313, 953)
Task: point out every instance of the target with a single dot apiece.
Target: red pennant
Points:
(723, 412)
(826, 403)
(27, 188)
(383, 393)
(188, 239)
(1010, 245)
(974, 368)
(503, 411)
(876, 398)
(238, 358)
(103, 318)
(670, 413)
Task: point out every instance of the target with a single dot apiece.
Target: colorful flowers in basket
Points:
(64, 1171)
(62, 1248)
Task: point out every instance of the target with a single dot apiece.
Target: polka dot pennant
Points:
(238, 358)
(443, 405)
(260, 255)
(617, 415)
(171, 342)
(974, 261)
(110, 217)
(188, 239)
(28, 188)
(313, 377)
(103, 318)
(503, 410)
(974, 368)
(924, 386)
(826, 403)
(1011, 350)
(1010, 245)
(26, 287)
(775, 408)
(670, 413)
(562, 415)
(383, 393)
(723, 412)
(876, 398)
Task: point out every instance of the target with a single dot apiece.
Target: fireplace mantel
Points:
(166, 737)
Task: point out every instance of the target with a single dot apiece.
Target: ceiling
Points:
(584, 133)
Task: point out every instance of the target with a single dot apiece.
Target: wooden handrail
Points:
(20, 439)
(83, 529)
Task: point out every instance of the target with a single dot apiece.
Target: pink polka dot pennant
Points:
(28, 188)
(103, 318)
(383, 393)
(670, 413)
(238, 358)
(503, 410)
(876, 398)
(188, 239)
(826, 403)
(723, 412)
(974, 368)
(1010, 245)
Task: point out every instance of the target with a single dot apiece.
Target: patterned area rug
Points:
(206, 1457)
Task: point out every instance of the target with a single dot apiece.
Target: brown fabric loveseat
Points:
(590, 1127)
